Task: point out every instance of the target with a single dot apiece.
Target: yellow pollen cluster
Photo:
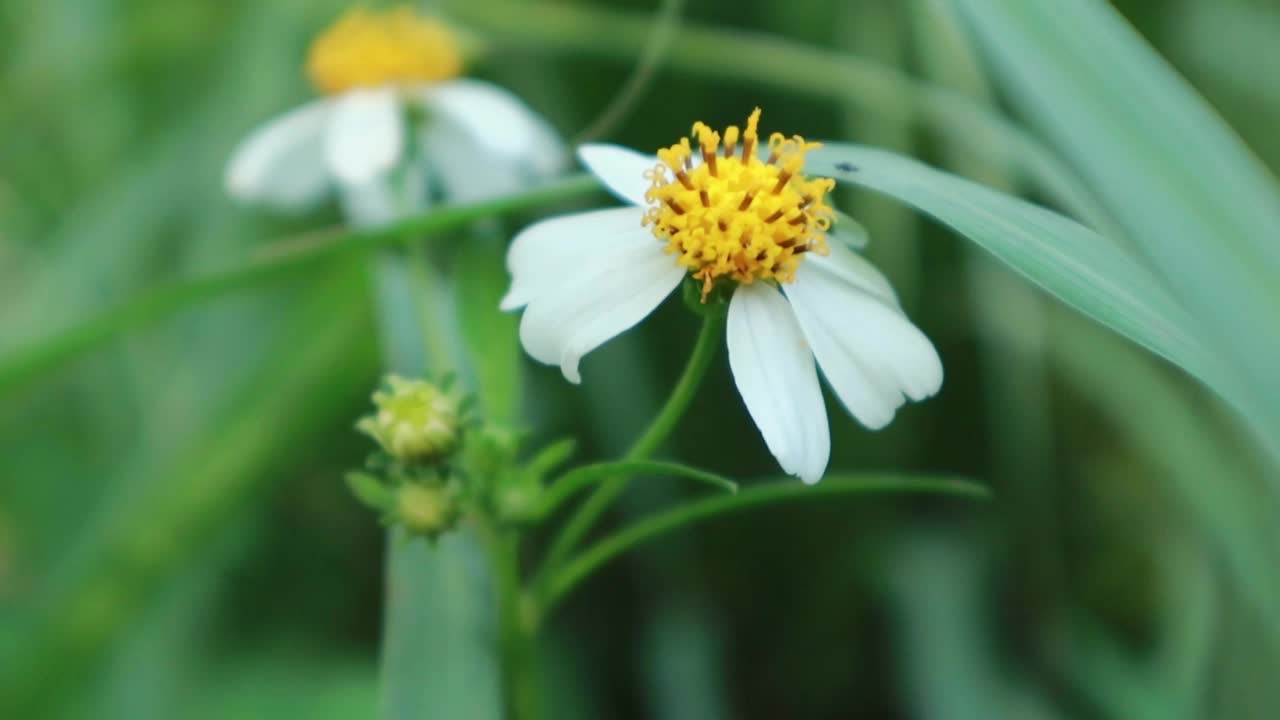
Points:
(733, 214)
(366, 48)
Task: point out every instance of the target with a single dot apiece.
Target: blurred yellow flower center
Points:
(366, 48)
(735, 215)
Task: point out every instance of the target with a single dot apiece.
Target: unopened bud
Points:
(415, 422)
(425, 509)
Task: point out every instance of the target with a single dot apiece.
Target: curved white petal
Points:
(870, 353)
(280, 163)
(498, 123)
(620, 169)
(544, 252)
(366, 135)
(850, 232)
(773, 369)
(855, 270)
(597, 300)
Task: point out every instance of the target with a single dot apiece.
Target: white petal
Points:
(542, 253)
(850, 232)
(855, 270)
(773, 369)
(366, 135)
(594, 302)
(464, 172)
(868, 350)
(280, 163)
(384, 199)
(620, 169)
(498, 123)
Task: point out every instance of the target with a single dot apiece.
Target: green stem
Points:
(567, 577)
(517, 628)
(275, 261)
(660, 34)
(581, 478)
(704, 351)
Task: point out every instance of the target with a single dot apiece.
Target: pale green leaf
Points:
(1187, 192)
(1075, 264)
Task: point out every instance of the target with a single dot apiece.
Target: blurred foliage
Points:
(176, 541)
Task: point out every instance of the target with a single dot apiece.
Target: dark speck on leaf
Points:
(846, 167)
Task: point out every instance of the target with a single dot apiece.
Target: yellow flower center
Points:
(366, 48)
(738, 216)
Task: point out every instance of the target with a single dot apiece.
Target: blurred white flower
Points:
(755, 228)
(396, 122)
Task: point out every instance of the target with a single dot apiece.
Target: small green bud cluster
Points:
(435, 466)
(418, 427)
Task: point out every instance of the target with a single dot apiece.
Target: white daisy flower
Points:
(741, 224)
(381, 72)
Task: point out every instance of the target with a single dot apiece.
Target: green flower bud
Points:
(425, 509)
(415, 422)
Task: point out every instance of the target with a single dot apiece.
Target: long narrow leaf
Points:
(1202, 209)
(1083, 269)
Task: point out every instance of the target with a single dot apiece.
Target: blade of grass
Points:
(1200, 206)
(1071, 262)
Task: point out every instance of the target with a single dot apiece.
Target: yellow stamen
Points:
(366, 48)
(722, 218)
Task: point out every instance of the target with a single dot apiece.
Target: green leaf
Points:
(438, 654)
(369, 490)
(584, 477)
(1073, 263)
(1186, 446)
(1189, 194)
(655, 526)
(551, 457)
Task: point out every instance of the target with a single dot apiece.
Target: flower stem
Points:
(659, 524)
(704, 351)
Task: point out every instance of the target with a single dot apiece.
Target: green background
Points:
(176, 540)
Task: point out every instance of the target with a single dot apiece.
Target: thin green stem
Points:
(704, 351)
(567, 577)
(660, 35)
(581, 478)
(277, 260)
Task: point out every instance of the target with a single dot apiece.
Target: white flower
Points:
(474, 140)
(756, 229)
